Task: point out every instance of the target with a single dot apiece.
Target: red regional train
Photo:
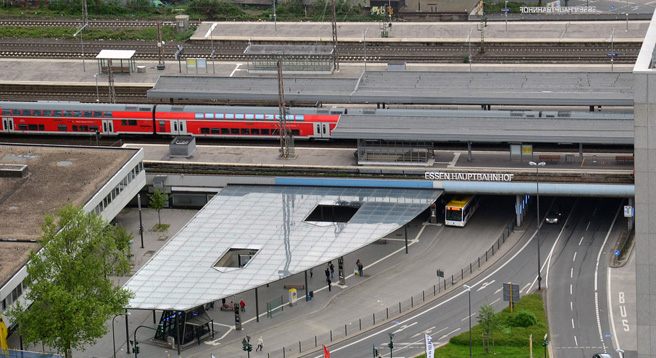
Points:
(71, 118)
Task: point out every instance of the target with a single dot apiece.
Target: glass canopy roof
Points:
(262, 232)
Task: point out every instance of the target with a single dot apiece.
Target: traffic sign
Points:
(617, 252)
(612, 54)
(505, 10)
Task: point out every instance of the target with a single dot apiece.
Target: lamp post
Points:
(364, 45)
(468, 289)
(209, 34)
(469, 42)
(537, 215)
(113, 336)
(79, 32)
(621, 352)
(505, 9)
(97, 94)
(545, 344)
(391, 343)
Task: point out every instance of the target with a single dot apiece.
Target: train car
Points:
(244, 122)
(73, 118)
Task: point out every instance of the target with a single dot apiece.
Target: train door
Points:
(322, 130)
(108, 126)
(178, 127)
(8, 124)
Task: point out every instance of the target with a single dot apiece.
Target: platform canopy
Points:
(120, 60)
(116, 54)
(248, 236)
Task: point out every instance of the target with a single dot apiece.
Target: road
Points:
(449, 316)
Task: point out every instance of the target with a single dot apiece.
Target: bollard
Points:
(283, 352)
(315, 341)
(387, 312)
(498, 244)
(412, 301)
(423, 296)
(445, 284)
(375, 318)
(433, 290)
(462, 274)
(331, 335)
(452, 282)
(345, 331)
(485, 256)
(470, 268)
(479, 262)
(299, 346)
(399, 307)
(492, 250)
(360, 323)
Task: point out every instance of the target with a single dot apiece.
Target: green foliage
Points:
(522, 318)
(71, 294)
(508, 335)
(158, 200)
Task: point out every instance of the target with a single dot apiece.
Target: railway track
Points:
(99, 24)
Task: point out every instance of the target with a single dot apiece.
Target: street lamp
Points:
(469, 59)
(97, 94)
(545, 344)
(621, 352)
(364, 45)
(391, 343)
(537, 215)
(210, 34)
(79, 32)
(468, 289)
(505, 9)
(113, 336)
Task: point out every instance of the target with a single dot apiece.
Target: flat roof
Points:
(416, 87)
(57, 175)
(116, 54)
(289, 50)
(271, 222)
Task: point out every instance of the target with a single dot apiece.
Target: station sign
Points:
(505, 10)
(612, 54)
(628, 211)
(468, 176)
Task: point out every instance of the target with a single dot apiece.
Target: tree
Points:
(70, 293)
(488, 322)
(157, 201)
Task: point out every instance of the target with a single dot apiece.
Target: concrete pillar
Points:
(631, 219)
(469, 153)
(519, 210)
(580, 152)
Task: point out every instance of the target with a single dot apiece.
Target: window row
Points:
(128, 122)
(31, 127)
(244, 131)
(246, 116)
(13, 296)
(118, 189)
(55, 113)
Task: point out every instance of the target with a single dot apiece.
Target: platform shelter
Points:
(122, 61)
(295, 58)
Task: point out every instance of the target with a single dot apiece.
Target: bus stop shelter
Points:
(122, 61)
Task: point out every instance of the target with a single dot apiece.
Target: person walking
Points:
(242, 304)
(311, 272)
(360, 268)
(332, 270)
(260, 344)
(327, 272)
(329, 282)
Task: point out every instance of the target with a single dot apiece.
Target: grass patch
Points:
(160, 227)
(147, 34)
(509, 341)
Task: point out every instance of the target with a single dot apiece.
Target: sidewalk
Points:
(391, 278)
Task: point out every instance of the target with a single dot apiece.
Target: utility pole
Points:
(160, 45)
(335, 60)
(286, 139)
(481, 28)
(110, 79)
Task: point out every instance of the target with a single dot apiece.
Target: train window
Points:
(209, 115)
(47, 112)
(259, 117)
(218, 115)
(162, 125)
(27, 112)
(269, 116)
(42, 127)
(204, 131)
(229, 116)
(234, 130)
(37, 112)
(22, 127)
(296, 132)
(124, 122)
(56, 113)
(215, 130)
(77, 113)
(265, 132)
(255, 131)
(15, 112)
(299, 117)
(225, 131)
(249, 116)
(84, 128)
(6, 112)
(275, 131)
(68, 113)
(87, 114)
(61, 127)
(132, 122)
(97, 114)
(107, 114)
(32, 127)
(245, 131)
(199, 115)
(75, 128)
(93, 128)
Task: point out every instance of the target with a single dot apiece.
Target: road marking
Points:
(601, 249)
(570, 288)
(574, 258)
(453, 162)
(499, 290)
(483, 286)
(495, 301)
(576, 341)
(404, 327)
(547, 261)
(572, 323)
(471, 315)
(235, 70)
(525, 288)
(571, 306)
(587, 227)
(450, 333)
(571, 272)
(580, 241)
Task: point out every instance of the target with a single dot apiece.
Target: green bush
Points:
(522, 318)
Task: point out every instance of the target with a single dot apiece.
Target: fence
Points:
(367, 322)
(10, 353)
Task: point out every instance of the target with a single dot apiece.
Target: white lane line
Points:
(571, 306)
(467, 317)
(580, 241)
(499, 290)
(571, 272)
(547, 261)
(572, 323)
(235, 70)
(570, 288)
(587, 227)
(525, 288)
(576, 341)
(448, 334)
(404, 327)
(601, 249)
(453, 162)
(574, 258)
(610, 310)
(441, 330)
(495, 301)
(483, 286)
